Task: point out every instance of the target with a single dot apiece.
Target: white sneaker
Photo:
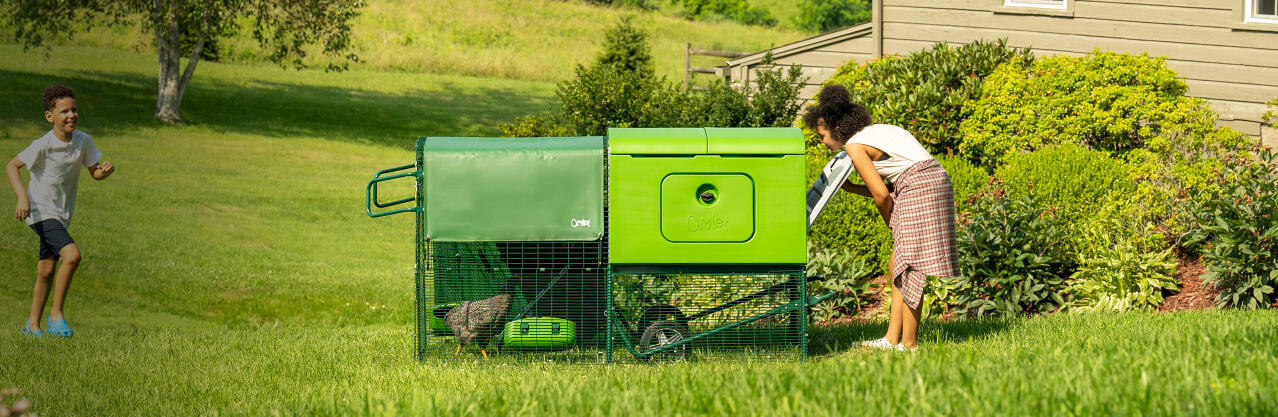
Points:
(902, 348)
(880, 343)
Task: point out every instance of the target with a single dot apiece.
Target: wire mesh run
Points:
(708, 315)
(515, 298)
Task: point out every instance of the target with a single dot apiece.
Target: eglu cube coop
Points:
(678, 243)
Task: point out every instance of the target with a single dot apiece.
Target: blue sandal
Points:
(58, 327)
(26, 329)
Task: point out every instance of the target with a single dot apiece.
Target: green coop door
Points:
(707, 208)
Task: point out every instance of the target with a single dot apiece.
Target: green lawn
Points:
(230, 270)
(517, 39)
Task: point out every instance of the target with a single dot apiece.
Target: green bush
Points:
(1173, 176)
(1081, 185)
(1011, 257)
(735, 10)
(924, 92)
(967, 179)
(1240, 229)
(828, 15)
(1116, 275)
(615, 93)
(638, 4)
(1111, 101)
(626, 49)
(849, 278)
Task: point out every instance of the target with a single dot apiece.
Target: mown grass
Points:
(230, 270)
(515, 39)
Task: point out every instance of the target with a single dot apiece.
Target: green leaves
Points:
(626, 49)
(828, 15)
(1107, 101)
(613, 94)
(1239, 230)
(1011, 257)
(848, 277)
(925, 91)
(736, 10)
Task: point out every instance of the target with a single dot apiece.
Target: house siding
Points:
(1235, 70)
(1233, 66)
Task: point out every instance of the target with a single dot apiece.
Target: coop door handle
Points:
(371, 199)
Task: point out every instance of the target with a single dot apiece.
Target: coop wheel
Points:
(660, 312)
(663, 333)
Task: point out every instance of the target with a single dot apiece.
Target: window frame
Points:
(1041, 4)
(1250, 15)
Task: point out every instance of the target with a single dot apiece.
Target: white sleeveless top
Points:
(901, 148)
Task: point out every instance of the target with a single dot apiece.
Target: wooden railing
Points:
(688, 69)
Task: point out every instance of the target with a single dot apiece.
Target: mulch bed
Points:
(1194, 294)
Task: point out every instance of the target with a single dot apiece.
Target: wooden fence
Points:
(688, 69)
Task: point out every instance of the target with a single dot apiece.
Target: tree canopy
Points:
(283, 28)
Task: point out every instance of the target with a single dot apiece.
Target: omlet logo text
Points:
(580, 222)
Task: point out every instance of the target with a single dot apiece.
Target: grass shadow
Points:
(113, 102)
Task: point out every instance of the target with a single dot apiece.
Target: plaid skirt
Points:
(922, 224)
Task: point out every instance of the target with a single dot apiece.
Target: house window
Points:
(1264, 11)
(1047, 4)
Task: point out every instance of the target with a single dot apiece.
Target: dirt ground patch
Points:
(1194, 294)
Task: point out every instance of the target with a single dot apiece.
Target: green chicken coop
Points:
(646, 244)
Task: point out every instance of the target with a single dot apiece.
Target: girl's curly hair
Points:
(836, 111)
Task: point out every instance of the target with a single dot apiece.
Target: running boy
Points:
(46, 205)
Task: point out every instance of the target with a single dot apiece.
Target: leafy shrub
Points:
(925, 91)
(638, 4)
(603, 96)
(849, 278)
(735, 10)
(626, 49)
(1174, 176)
(1011, 256)
(1241, 231)
(1081, 185)
(828, 15)
(1105, 100)
(1115, 275)
(620, 91)
(966, 178)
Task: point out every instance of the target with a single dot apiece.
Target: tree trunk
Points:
(172, 81)
(167, 102)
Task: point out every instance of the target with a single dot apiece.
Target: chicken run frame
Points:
(667, 244)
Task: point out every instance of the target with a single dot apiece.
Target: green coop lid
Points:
(657, 141)
(754, 141)
(512, 189)
(706, 141)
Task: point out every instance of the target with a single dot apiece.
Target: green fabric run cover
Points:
(520, 189)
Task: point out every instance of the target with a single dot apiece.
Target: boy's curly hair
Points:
(835, 108)
(55, 92)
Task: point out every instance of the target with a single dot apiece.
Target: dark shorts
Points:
(53, 237)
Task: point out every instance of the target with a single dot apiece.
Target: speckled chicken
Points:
(480, 319)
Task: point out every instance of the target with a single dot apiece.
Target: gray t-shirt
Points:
(55, 173)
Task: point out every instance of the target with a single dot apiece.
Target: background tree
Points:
(828, 15)
(284, 28)
(626, 48)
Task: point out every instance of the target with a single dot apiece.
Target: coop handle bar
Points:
(370, 196)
